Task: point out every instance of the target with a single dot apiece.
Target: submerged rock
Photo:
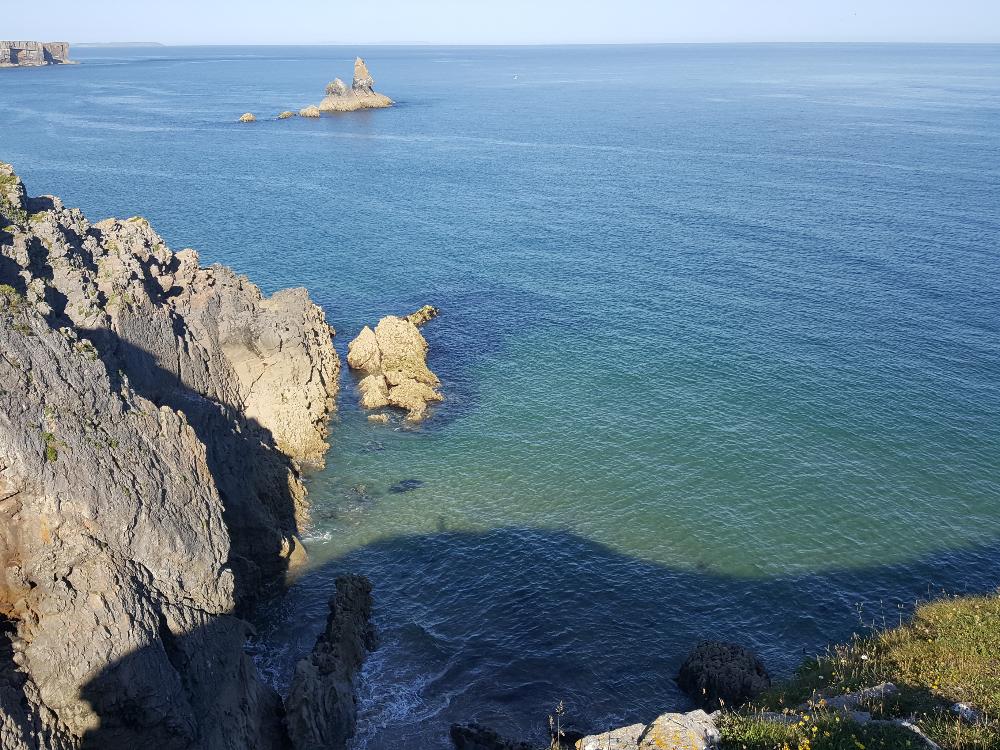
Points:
(286, 115)
(394, 360)
(717, 674)
(152, 414)
(248, 117)
(361, 95)
(321, 705)
(406, 485)
(476, 737)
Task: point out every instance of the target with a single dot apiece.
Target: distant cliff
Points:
(31, 54)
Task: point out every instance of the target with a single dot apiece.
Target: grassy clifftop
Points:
(948, 653)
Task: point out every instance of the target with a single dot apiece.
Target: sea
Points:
(719, 340)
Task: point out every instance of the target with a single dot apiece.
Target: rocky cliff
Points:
(153, 414)
(30, 54)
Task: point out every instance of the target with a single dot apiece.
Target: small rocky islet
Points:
(339, 98)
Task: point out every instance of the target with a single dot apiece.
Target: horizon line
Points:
(531, 44)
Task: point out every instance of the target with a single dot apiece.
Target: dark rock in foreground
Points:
(717, 675)
(322, 706)
(476, 737)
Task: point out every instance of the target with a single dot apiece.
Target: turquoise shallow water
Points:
(720, 339)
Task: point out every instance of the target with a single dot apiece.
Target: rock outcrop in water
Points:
(717, 674)
(152, 416)
(393, 359)
(322, 707)
(33, 54)
(361, 95)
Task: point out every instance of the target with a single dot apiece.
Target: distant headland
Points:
(33, 54)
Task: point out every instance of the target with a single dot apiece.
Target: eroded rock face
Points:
(720, 674)
(361, 95)
(322, 707)
(393, 358)
(151, 415)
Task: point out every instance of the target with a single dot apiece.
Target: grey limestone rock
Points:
(321, 704)
(152, 414)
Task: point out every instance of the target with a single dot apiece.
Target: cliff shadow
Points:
(250, 473)
(498, 627)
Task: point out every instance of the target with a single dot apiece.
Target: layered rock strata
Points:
(393, 361)
(152, 416)
(322, 707)
(33, 54)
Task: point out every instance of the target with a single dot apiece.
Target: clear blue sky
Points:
(500, 21)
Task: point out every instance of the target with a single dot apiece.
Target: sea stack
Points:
(33, 54)
(361, 95)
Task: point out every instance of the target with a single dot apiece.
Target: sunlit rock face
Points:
(153, 414)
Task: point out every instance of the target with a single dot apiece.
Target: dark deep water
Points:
(720, 338)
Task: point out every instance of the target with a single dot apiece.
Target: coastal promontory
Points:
(154, 413)
(19, 54)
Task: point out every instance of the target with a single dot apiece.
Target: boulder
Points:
(321, 705)
(248, 117)
(310, 111)
(717, 674)
(393, 358)
(672, 731)
(476, 737)
(690, 731)
(287, 114)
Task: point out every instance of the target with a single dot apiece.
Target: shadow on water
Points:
(506, 623)
(498, 627)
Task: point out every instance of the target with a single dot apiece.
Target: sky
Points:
(500, 21)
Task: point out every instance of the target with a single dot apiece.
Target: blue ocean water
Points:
(720, 339)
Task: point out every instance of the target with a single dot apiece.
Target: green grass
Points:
(51, 447)
(949, 652)
(11, 296)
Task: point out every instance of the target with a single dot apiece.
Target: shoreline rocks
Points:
(393, 360)
(717, 675)
(321, 704)
(153, 416)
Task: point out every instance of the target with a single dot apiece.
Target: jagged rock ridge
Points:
(322, 708)
(361, 95)
(152, 416)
